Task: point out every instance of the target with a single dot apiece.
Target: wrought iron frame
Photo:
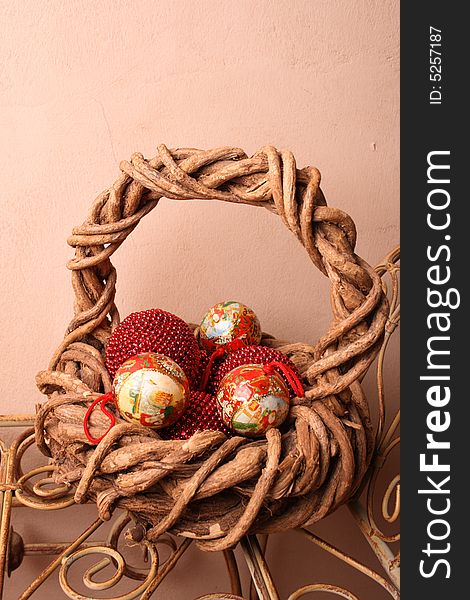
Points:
(20, 489)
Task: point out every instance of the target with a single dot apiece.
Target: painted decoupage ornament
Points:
(151, 389)
(253, 398)
(226, 323)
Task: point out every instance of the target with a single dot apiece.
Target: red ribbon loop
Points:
(289, 374)
(221, 351)
(102, 401)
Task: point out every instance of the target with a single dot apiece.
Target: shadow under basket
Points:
(209, 487)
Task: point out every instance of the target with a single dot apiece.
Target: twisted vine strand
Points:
(209, 488)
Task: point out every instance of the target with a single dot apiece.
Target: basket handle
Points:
(270, 179)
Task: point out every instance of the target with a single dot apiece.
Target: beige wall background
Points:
(85, 84)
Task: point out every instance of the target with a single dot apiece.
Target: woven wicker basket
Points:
(208, 487)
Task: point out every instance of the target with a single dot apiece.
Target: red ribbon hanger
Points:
(289, 374)
(102, 401)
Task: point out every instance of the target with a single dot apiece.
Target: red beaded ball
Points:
(201, 414)
(203, 365)
(154, 330)
(261, 355)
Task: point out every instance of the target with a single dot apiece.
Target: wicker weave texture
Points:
(208, 487)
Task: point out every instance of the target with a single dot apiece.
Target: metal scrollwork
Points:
(112, 556)
(322, 587)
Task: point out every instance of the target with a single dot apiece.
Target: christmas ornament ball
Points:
(153, 330)
(201, 414)
(226, 322)
(248, 355)
(204, 364)
(252, 399)
(151, 389)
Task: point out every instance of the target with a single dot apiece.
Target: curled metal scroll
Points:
(112, 556)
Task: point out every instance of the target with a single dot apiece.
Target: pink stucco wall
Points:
(84, 84)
